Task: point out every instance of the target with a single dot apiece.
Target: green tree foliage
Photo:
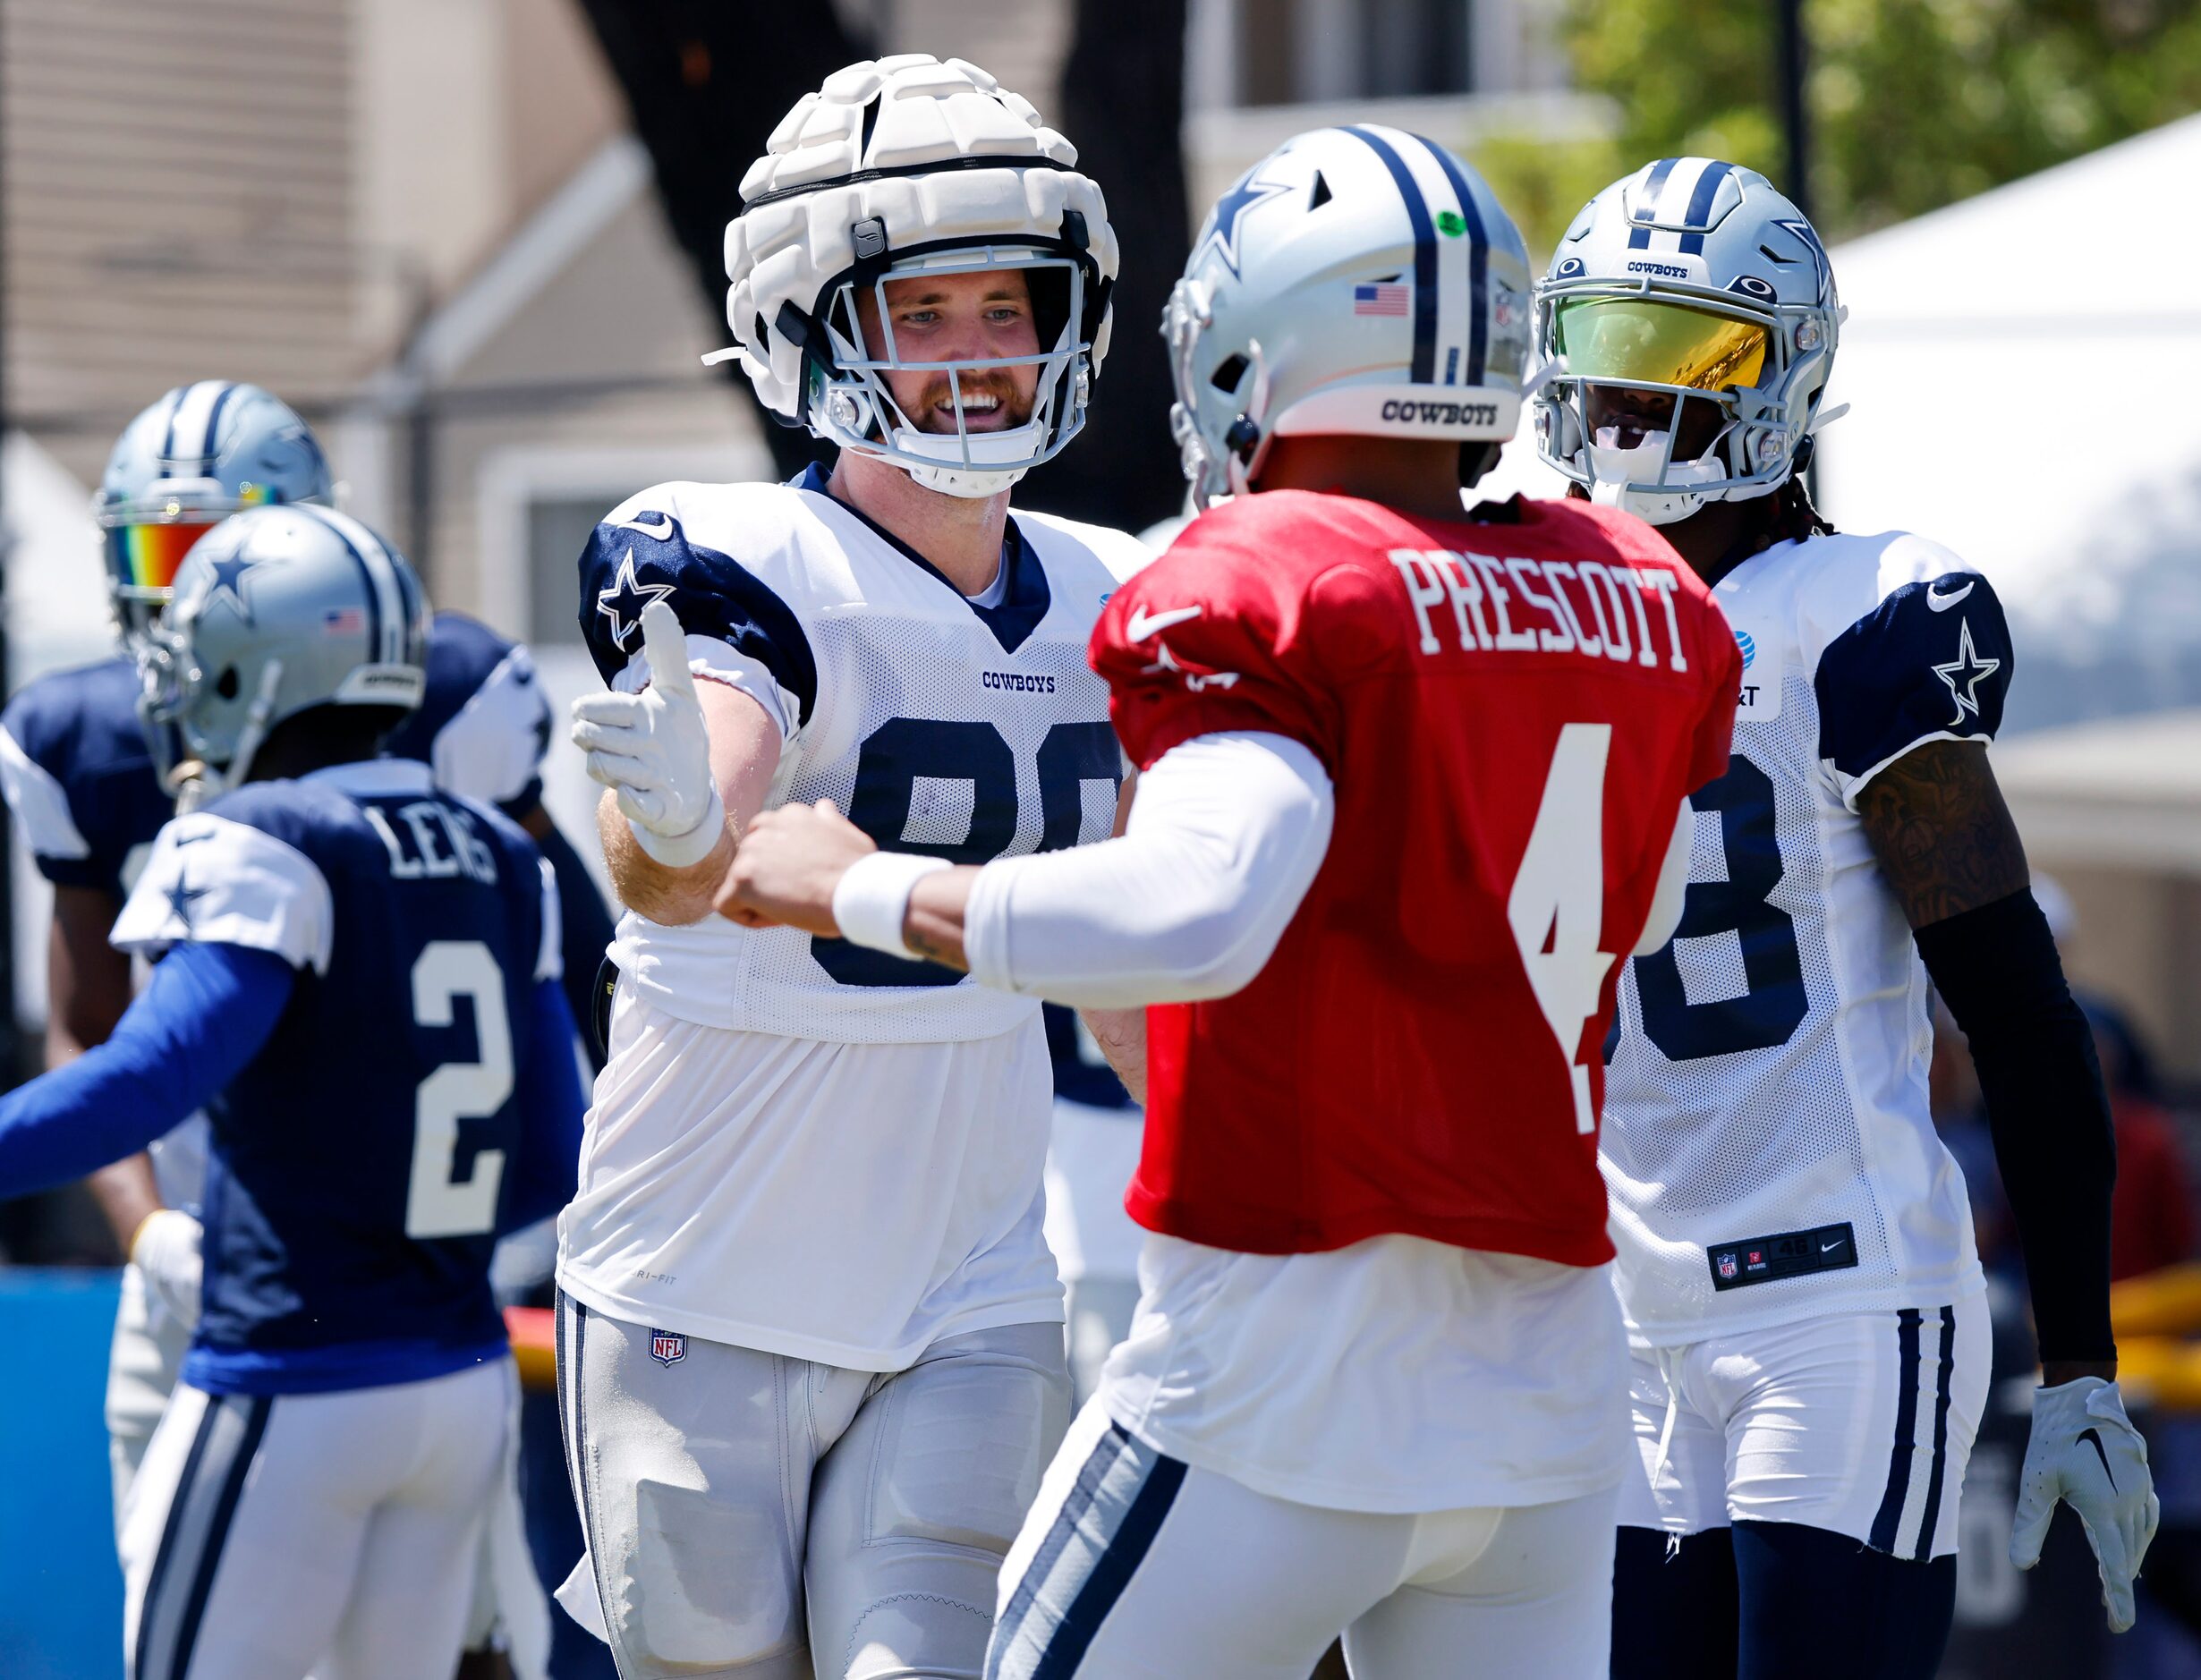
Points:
(1914, 103)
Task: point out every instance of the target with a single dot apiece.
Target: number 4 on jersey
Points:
(1559, 898)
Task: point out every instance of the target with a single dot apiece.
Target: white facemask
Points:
(1612, 469)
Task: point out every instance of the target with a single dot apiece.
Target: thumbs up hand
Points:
(653, 751)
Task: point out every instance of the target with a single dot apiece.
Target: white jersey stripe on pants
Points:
(167, 1619)
(1917, 1464)
(336, 1534)
(1133, 1563)
(1084, 1558)
(1859, 1423)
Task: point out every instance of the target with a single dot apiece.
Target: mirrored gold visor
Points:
(1657, 344)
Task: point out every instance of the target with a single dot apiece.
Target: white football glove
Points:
(653, 751)
(2084, 1451)
(165, 1253)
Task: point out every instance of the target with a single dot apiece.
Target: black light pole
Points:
(1796, 126)
(1795, 119)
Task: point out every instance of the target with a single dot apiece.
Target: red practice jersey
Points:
(1511, 711)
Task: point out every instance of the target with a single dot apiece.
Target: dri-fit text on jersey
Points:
(1623, 607)
(432, 841)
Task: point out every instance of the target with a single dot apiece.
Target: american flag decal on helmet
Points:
(1380, 299)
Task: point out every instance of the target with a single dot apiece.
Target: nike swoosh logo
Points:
(1828, 1248)
(2092, 1438)
(660, 532)
(1942, 603)
(1144, 624)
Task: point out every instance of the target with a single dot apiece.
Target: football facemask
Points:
(946, 444)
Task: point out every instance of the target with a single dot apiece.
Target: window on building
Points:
(1289, 51)
(557, 530)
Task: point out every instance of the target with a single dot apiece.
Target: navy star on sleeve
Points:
(647, 556)
(1932, 662)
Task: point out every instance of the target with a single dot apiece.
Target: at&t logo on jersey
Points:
(667, 1347)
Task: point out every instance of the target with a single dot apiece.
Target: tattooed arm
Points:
(1951, 854)
(1944, 836)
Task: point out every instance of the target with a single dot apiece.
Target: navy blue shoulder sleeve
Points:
(1932, 662)
(79, 778)
(649, 557)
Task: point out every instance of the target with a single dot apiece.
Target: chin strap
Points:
(199, 782)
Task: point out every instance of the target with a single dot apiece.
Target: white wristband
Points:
(680, 851)
(872, 897)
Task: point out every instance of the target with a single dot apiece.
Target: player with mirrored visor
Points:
(1808, 1324)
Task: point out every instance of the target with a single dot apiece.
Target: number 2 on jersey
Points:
(437, 1204)
(1558, 900)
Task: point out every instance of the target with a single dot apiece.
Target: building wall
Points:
(180, 193)
(266, 190)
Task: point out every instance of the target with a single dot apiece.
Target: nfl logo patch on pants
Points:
(667, 1348)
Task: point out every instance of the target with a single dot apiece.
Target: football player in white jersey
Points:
(810, 1332)
(1796, 1263)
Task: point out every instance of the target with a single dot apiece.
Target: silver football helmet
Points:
(1357, 280)
(897, 168)
(276, 609)
(197, 455)
(1694, 280)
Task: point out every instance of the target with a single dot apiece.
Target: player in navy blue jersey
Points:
(85, 784)
(359, 981)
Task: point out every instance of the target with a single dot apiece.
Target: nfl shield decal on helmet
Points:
(667, 1348)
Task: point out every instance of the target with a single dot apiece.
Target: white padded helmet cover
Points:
(899, 113)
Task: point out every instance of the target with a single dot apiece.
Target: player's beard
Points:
(936, 410)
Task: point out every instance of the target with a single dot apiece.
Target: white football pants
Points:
(754, 1515)
(266, 1537)
(1134, 1565)
(142, 1361)
(1860, 1423)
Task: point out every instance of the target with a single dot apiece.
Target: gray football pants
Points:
(752, 1514)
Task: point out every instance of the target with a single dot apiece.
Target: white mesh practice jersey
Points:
(942, 727)
(1766, 1136)
(798, 1144)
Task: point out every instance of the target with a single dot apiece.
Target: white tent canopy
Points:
(2023, 369)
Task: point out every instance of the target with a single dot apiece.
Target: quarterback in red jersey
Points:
(1410, 783)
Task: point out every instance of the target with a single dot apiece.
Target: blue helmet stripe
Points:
(1646, 213)
(214, 425)
(175, 407)
(1478, 262)
(1700, 203)
(1424, 367)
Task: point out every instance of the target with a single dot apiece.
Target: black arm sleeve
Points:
(1998, 972)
